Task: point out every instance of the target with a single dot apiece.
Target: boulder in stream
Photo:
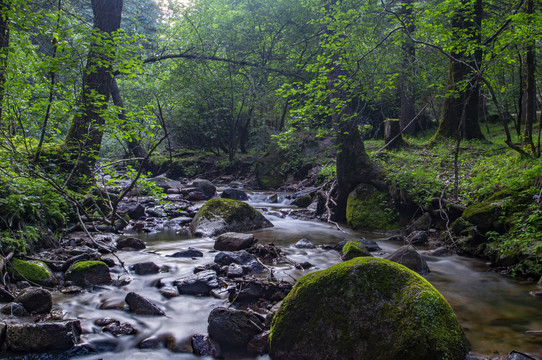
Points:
(85, 273)
(408, 256)
(366, 308)
(130, 243)
(233, 329)
(232, 241)
(206, 187)
(218, 216)
(142, 306)
(234, 194)
(354, 249)
(44, 336)
(35, 300)
(33, 270)
(304, 244)
(200, 283)
(146, 268)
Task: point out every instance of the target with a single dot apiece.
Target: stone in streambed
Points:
(304, 244)
(85, 273)
(200, 283)
(408, 256)
(14, 309)
(234, 194)
(353, 249)
(130, 243)
(218, 216)
(146, 268)
(233, 329)
(202, 345)
(188, 253)
(366, 308)
(42, 337)
(35, 300)
(34, 271)
(232, 241)
(142, 306)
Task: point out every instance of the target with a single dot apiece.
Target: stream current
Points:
(494, 311)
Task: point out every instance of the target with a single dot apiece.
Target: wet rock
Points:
(234, 194)
(409, 257)
(218, 216)
(370, 245)
(134, 211)
(169, 293)
(14, 309)
(142, 306)
(178, 222)
(272, 199)
(248, 261)
(42, 337)
(146, 268)
(118, 328)
(202, 345)
(304, 244)
(35, 300)
(206, 187)
(87, 273)
(422, 223)
(5, 296)
(379, 310)
(104, 321)
(33, 270)
(259, 344)
(233, 329)
(234, 270)
(130, 243)
(166, 183)
(266, 251)
(250, 291)
(441, 251)
(516, 355)
(353, 249)
(232, 241)
(304, 265)
(109, 262)
(189, 253)
(417, 238)
(200, 283)
(303, 201)
(308, 191)
(396, 238)
(153, 342)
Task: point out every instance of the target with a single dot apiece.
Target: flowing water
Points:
(495, 311)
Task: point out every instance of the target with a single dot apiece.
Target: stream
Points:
(494, 311)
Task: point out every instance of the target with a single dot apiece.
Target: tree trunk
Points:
(84, 137)
(392, 134)
(462, 82)
(406, 87)
(530, 91)
(4, 52)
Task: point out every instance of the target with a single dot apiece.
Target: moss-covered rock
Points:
(269, 171)
(370, 209)
(85, 273)
(218, 216)
(366, 308)
(354, 249)
(34, 271)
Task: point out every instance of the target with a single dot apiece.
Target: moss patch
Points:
(366, 308)
(33, 271)
(370, 209)
(86, 265)
(353, 249)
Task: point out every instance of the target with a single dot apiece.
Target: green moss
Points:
(366, 308)
(353, 249)
(85, 265)
(369, 209)
(34, 271)
(227, 209)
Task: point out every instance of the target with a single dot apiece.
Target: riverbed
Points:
(495, 311)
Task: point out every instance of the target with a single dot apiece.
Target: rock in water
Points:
(233, 329)
(354, 249)
(35, 300)
(34, 270)
(86, 273)
(408, 256)
(47, 336)
(142, 306)
(366, 308)
(234, 194)
(232, 241)
(218, 216)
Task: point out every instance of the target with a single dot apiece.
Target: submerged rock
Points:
(188, 253)
(42, 337)
(218, 216)
(202, 345)
(366, 308)
(85, 273)
(248, 261)
(304, 244)
(233, 329)
(146, 268)
(409, 257)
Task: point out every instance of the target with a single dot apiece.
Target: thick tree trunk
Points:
(462, 83)
(392, 134)
(84, 137)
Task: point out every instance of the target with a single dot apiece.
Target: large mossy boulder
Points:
(366, 308)
(34, 271)
(368, 208)
(218, 216)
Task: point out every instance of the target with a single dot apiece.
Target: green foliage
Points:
(326, 173)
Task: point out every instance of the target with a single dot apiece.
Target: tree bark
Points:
(84, 137)
(406, 87)
(530, 91)
(462, 85)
